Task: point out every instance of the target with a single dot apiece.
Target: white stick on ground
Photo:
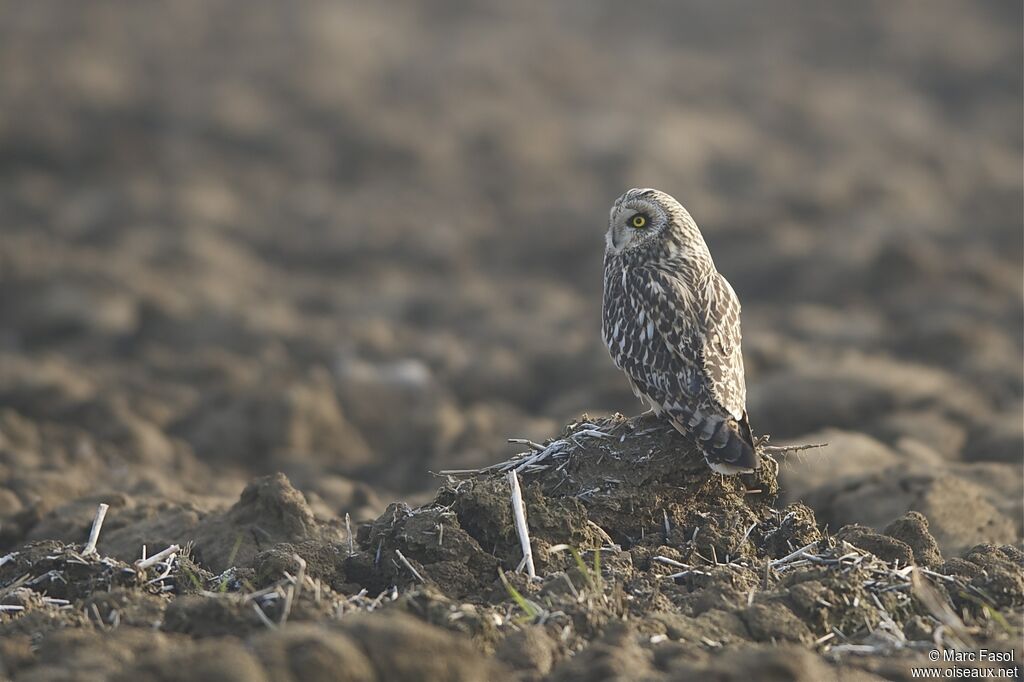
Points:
(519, 513)
(792, 556)
(294, 589)
(348, 531)
(788, 449)
(670, 562)
(528, 443)
(412, 569)
(263, 617)
(94, 534)
(157, 558)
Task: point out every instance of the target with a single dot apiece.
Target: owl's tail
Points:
(727, 445)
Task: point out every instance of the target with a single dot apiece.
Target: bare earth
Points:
(265, 267)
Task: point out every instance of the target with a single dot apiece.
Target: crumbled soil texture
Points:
(649, 566)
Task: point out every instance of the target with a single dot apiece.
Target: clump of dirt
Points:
(270, 511)
(615, 485)
(62, 572)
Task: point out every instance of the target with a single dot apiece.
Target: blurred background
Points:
(358, 242)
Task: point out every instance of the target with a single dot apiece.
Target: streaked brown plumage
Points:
(672, 324)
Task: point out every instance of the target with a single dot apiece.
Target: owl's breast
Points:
(612, 307)
(626, 327)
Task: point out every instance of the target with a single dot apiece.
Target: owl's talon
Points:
(635, 421)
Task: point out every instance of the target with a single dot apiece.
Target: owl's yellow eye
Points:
(638, 221)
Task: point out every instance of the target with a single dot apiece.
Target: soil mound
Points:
(649, 566)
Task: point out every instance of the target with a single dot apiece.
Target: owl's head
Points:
(642, 217)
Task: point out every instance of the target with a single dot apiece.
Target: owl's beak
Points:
(616, 239)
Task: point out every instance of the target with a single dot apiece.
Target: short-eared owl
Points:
(672, 324)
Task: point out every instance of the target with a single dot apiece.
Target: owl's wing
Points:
(723, 357)
(680, 348)
(701, 330)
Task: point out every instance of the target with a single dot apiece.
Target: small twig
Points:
(786, 449)
(143, 564)
(859, 649)
(96, 614)
(300, 576)
(519, 514)
(94, 534)
(348, 530)
(683, 574)
(529, 443)
(887, 620)
(258, 594)
(263, 617)
(412, 569)
(941, 611)
(459, 472)
(166, 573)
(793, 555)
(825, 638)
(293, 589)
(670, 562)
(933, 574)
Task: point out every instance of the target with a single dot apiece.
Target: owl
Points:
(672, 324)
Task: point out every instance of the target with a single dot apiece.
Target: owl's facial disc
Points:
(632, 224)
